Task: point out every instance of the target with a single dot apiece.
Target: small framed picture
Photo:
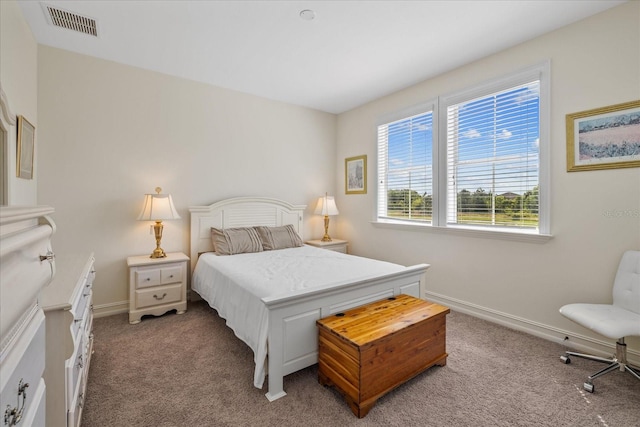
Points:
(604, 138)
(355, 171)
(26, 142)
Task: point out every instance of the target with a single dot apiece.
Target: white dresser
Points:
(27, 264)
(68, 309)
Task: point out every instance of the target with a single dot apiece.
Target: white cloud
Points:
(471, 133)
(504, 134)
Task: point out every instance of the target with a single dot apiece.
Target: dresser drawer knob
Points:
(12, 416)
(159, 298)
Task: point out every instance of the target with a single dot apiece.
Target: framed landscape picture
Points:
(26, 142)
(604, 138)
(355, 171)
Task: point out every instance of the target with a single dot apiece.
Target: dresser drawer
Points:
(80, 313)
(75, 406)
(158, 295)
(24, 364)
(88, 320)
(74, 367)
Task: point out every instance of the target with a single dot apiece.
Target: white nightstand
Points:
(334, 245)
(157, 285)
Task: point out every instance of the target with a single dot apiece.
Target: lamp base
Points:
(326, 237)
(158, 253)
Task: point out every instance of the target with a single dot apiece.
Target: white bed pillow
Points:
(231, 241)
(279, 237)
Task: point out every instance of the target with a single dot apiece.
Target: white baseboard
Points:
(104, 310)
(569, 339)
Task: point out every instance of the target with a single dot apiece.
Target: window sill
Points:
(500, 234)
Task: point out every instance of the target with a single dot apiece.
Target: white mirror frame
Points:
(7, 121)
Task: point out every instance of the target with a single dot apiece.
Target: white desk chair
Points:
(616, 321)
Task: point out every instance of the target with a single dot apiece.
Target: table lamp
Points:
(158, 207)
(326, 206)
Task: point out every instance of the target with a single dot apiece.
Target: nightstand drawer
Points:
(148, 277)
(158, 295)
(171, 275)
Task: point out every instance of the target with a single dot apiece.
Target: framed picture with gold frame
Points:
(604, 138)
(26, 148)
(355, 175)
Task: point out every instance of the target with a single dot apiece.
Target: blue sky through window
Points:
(410, 146)
(497, 145)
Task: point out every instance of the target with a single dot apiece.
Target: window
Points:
(405, 167)
(486, 169)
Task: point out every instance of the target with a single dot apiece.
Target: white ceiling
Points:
(351, 53)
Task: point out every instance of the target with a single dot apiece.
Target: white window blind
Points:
(475, 160)
(493, 158)
(405, 176)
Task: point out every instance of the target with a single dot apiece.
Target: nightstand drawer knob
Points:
(148, 279)
(159, 298)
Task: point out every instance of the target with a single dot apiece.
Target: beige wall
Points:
(594, 63)
(110, 133)
(18, 78)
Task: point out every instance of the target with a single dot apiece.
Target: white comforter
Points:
(235, 285)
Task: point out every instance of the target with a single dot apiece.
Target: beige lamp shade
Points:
(326, 206)
(158, 207)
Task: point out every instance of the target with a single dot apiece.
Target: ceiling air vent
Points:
(71, 21)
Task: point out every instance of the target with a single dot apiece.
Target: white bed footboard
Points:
(293, 336)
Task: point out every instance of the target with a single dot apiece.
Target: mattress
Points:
(236, 285)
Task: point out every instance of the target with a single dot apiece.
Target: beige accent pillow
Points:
(279, 237)
(231, 241)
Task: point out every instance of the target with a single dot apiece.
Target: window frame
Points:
(422, 108)
(440, 104)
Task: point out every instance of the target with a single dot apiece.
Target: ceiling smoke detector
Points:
(69, 20)
(307, 14)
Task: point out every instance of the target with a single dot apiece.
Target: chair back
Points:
(626, 288)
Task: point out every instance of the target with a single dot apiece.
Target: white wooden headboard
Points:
(240, 212)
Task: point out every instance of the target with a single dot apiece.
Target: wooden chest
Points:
(368, 351)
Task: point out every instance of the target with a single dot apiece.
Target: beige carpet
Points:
(190, 370)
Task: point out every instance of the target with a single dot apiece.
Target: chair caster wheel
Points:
(589, 387)
(565, 359)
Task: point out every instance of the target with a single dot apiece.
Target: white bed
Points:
(275, 305)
